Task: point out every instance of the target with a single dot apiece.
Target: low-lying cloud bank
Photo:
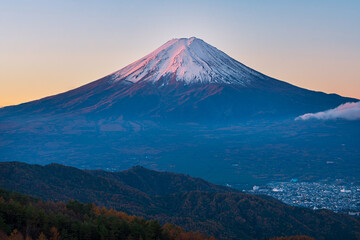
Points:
(348, 111)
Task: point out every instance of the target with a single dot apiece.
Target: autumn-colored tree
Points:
(42, 236)
(55, 235)
(16, 235)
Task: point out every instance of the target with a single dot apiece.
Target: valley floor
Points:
(338, 196)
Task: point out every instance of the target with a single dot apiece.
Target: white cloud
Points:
(348, 111)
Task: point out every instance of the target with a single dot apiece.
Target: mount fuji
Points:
(184, 80)
(186, 107)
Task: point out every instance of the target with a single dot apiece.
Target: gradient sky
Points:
(48, 47)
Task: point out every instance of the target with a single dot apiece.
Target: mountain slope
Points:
(159, 183)
(253, 217)
(60, 183)
(218, 210)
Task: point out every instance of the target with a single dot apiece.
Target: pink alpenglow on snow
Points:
(187, 59)
(348, 111)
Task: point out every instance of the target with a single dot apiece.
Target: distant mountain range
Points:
(180, 199)
(191, 108)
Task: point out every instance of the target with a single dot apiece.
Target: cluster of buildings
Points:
(337, 196)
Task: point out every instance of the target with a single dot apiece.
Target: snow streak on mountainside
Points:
(190, 60)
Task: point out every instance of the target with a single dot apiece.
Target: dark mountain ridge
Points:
(159, 183)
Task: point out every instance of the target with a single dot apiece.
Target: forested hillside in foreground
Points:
(192, 203)
(24, 217)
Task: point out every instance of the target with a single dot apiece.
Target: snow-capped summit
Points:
(189, 60)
